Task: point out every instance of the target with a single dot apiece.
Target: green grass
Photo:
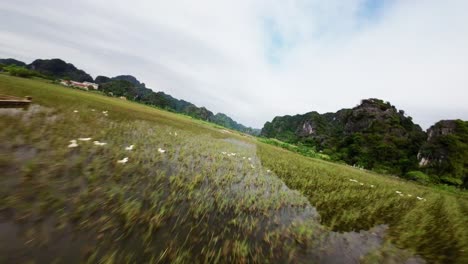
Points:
(195, 203)
(300, 149)
(352, 199)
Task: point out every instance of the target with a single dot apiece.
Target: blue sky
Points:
(372, 8)
(255, 59)
(277, 44)
(366, 13)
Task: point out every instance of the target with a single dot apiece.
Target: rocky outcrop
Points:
(60, 69)
(441, 128)
(373, 134)
(376, 135)
(445, 153)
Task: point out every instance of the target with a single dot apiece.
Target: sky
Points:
(257, 59)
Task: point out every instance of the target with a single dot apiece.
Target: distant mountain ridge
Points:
(376, 135)
(12, 62)
(59, 69)
(131, 88)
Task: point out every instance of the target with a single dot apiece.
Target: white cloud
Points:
(324, 55)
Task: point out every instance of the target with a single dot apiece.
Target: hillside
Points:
(445, 153)
(131, 88)
(12, 62)
(59, 69)
(188, 192)
(374, 135)
(127, 86)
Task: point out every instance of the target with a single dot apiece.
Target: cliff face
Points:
(377, 136)
(445, 153)
(441, 128)
(373, 134)
(434, 150)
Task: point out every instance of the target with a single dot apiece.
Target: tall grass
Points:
(351, 199)
(211, 197)
(191, 203)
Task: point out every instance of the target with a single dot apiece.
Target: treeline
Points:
(130, 88)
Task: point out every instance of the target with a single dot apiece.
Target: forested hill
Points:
(376, 135)
(60, 69)
(129, 87)
(122, 85)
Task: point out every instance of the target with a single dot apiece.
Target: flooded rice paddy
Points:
(205, 198)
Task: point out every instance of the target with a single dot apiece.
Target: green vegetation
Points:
(376, 136)
(20, 71)
(353, 199)
(301, 149)
(129, 87)
(446, 152)
(193, 193)
(12, 62)
(59, 69)
(189, 204)
(418, 176)
(120, 86)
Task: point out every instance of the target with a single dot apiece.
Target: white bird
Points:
(398, 192)
(372, 186)
(352, 180)
(129, 147)
(409, 195)
(233, 154)
(97, 143)
(224, 152)
(75, 111)
(419, 198)
(361, 184)
(175, 134)
(243, 157)
(93, 110)
(123, 161)
(268, 171)
(161, 150)
(73, 144)
(252, 166)
(249, 158)
(84, 139)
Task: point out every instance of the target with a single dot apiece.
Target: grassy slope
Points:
(191, 189)
(435, 227)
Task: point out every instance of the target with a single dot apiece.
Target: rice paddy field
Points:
(86, 178)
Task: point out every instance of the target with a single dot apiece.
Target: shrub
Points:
(450, 180)
(418, 176)
(20, 71)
